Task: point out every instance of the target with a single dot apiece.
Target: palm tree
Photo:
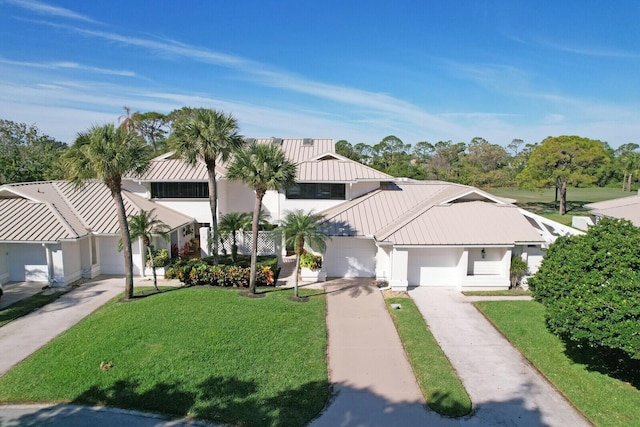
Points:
(107, 153)
(300, 228)
(262, 167)
(143, 226)
(230, 224)
(207, 135)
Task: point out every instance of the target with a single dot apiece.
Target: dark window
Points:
(179, 190)
(319, 190)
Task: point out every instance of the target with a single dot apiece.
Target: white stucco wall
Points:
(235, 197)
(71, 258)
(111, 260)
(383, 263)
(4, 266)
(193, 208)
(359, 188)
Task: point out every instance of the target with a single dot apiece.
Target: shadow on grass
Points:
(573, 206)
(615, 364)
(220, 399)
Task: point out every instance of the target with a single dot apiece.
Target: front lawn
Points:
(604, 400)
(437, 379)
(197, 352)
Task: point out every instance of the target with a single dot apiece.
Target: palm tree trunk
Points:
(126, 242)
(624, 180)
(213, 204)
(254, 243)
(295, 282)
(153, 268)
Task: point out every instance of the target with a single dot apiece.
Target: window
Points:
(179, 190)
(317, 190)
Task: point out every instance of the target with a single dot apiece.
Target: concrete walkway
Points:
(372, 378)
(504, 388)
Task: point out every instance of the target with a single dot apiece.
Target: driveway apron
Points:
(371, 377)
(503, 387)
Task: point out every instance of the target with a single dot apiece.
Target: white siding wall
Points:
(27, 261)
(4, 266)
(360, 188)
(350, 257)
(235, 197)
(193, 208)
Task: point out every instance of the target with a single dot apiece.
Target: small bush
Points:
(161, 258)
(311, 261)
(195, 272)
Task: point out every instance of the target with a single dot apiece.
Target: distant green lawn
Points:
(604, 400)
(195, 352)
(437, 379)
(543, 203)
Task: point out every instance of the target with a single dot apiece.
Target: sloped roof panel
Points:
(22, 220)
(623, 208)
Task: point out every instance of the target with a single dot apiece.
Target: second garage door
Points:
(433, 267)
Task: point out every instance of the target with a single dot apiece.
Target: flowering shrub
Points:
(195, 272)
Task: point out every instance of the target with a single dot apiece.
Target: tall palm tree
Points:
(262, 167)
(142, 226)
(209, 136)
(107, 153)
(300, 228)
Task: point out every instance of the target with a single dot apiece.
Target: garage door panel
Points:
(350, 257)
(433, 267)
(27, 262)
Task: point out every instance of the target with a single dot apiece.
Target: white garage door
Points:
(350, 257)
(111, 259)
(27, 263)
(433, 267)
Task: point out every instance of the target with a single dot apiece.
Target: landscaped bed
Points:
(588, 384)
(198, 352)
(437, 379)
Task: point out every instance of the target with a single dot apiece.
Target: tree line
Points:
(559, 162)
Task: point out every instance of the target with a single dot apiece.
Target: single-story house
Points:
(57, 233)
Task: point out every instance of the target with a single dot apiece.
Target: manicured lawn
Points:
(197, 352)
(543, 203)
(605, 400)
(26, 306)
(439, 383)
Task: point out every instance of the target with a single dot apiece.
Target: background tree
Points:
(589, 285)
(300, 228)
(207, 136)
(26, 154)
(153, 127)
(262, 167)
(627, 160)
(107, 153)
(143, 226)
(560, 161)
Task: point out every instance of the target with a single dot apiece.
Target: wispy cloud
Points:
(69, 66)
(589, 51)
(46, 9)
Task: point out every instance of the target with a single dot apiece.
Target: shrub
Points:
(311, 261)
(195, 272)
(161, 258)
(518, 269)
(590, 286)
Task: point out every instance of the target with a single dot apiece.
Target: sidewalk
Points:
(503, 387)
(368, 369)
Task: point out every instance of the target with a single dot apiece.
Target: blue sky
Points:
(355, 70)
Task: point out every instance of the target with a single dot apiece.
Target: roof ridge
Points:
(56, 186)
(61, 218)
(419, 209)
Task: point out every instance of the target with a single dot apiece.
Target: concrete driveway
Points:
(503, 387)
(16, 291)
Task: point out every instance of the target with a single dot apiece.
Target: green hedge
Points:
(197, 272)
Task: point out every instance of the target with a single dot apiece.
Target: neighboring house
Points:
(404, 232)
(57, 233)
(624, 208)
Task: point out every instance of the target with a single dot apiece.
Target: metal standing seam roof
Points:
(23, 220)
(338, 170)
(89, 208)
(413, 213)
(623, 208)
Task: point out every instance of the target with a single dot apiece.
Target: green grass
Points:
(26, 306)
(604, 400)
(437, 379)
(503, 293)
(197, 352)
(543, 202)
